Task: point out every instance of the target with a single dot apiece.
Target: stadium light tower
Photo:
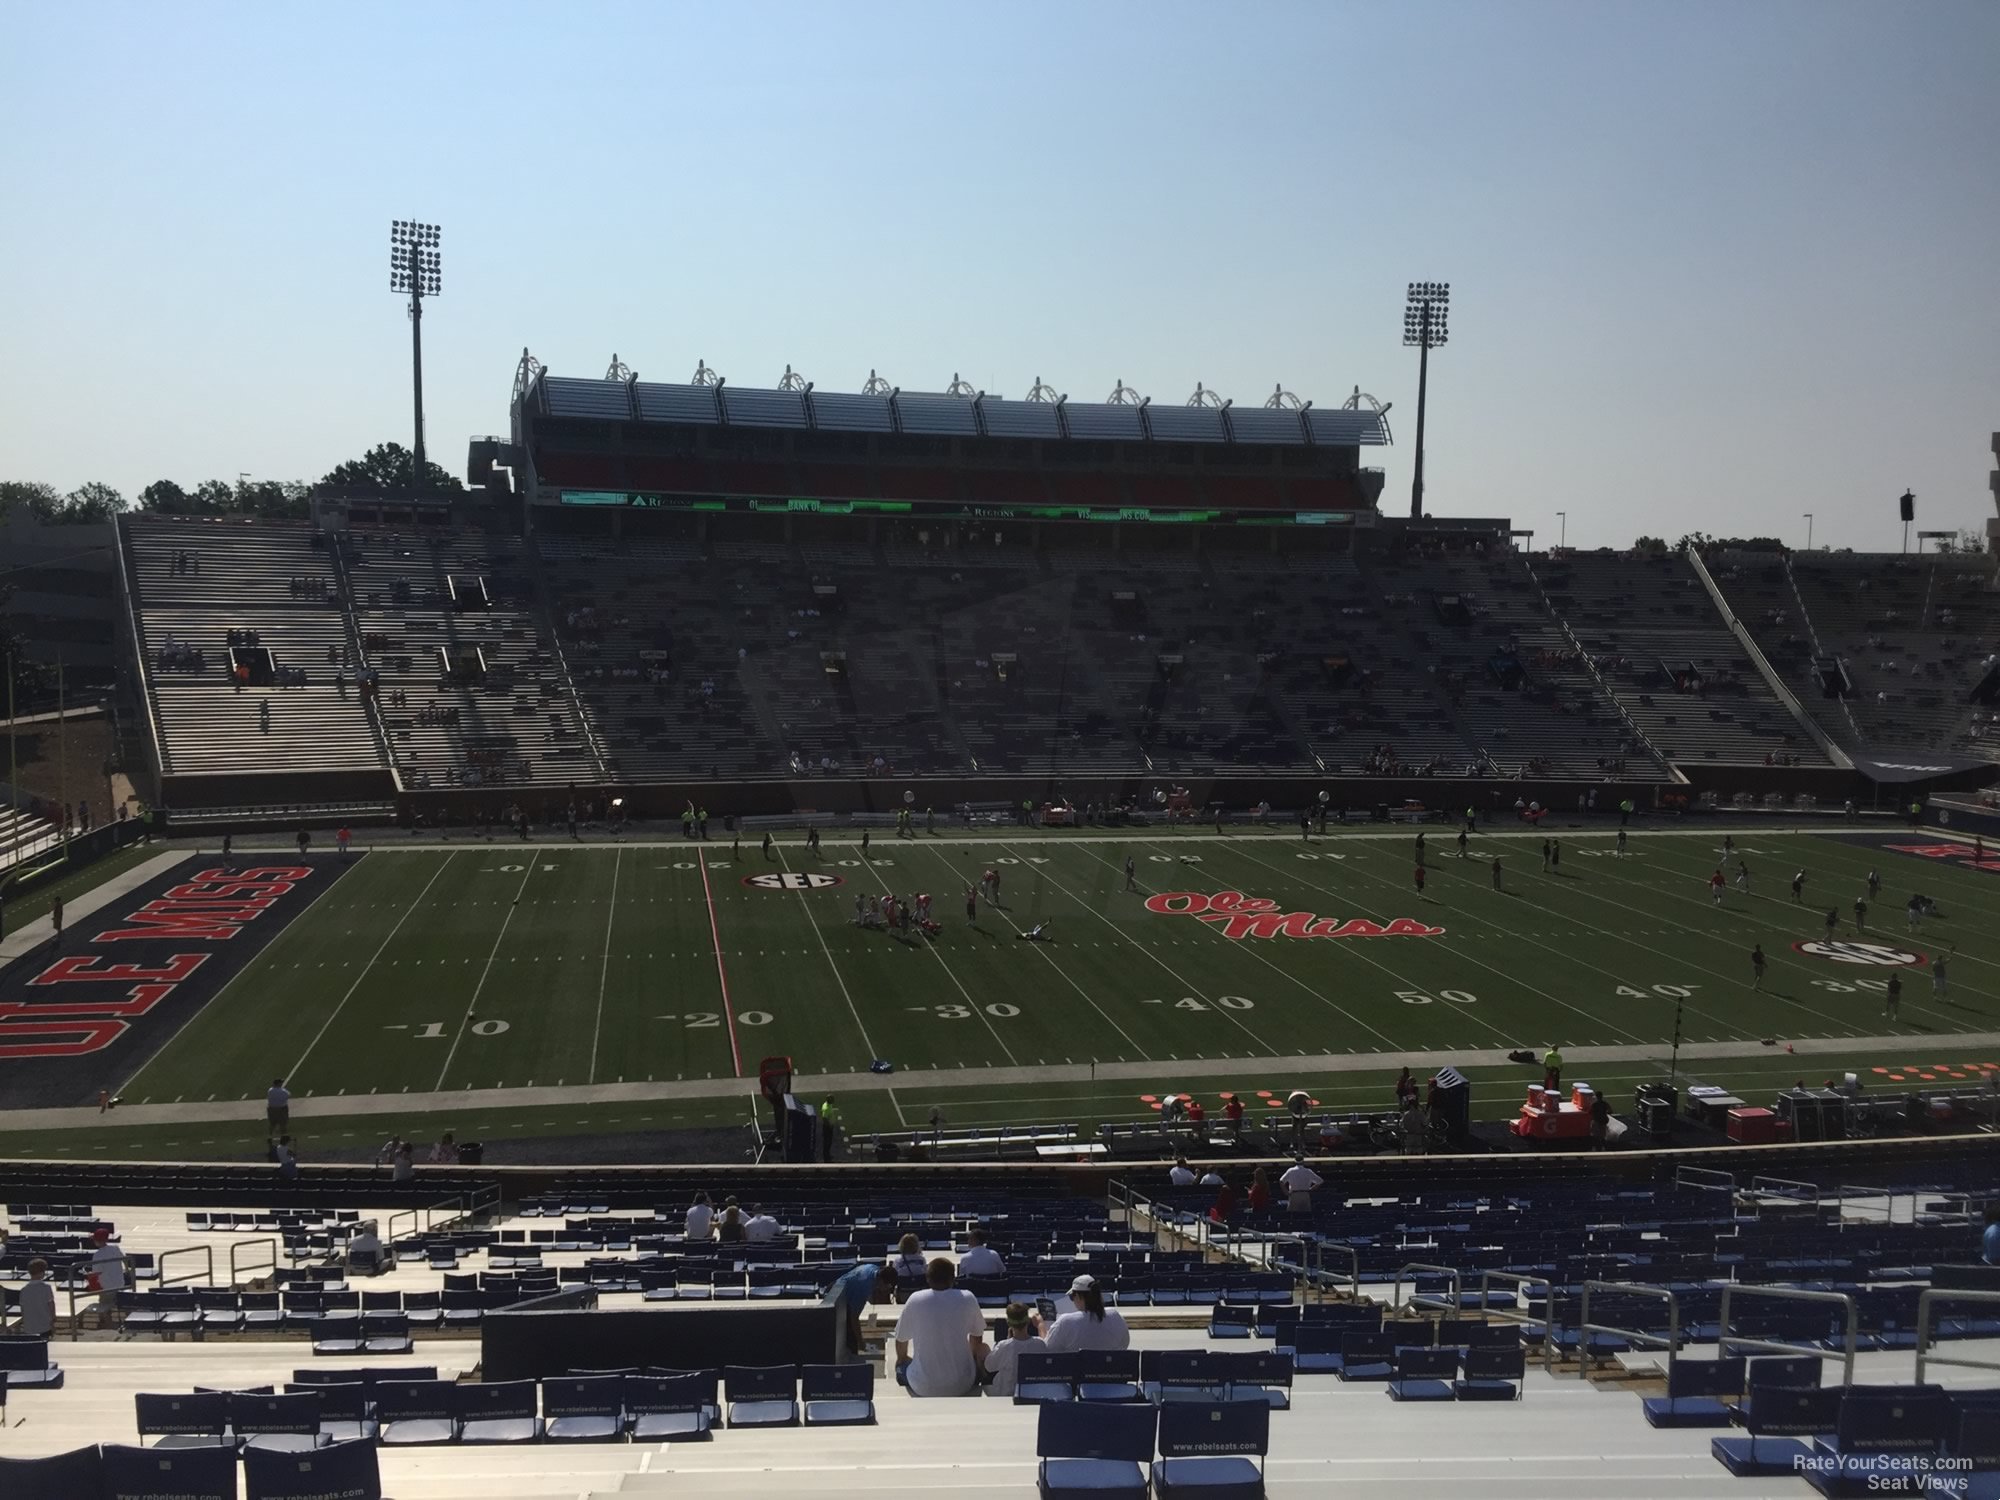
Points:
(1425, 326)
(414, 267)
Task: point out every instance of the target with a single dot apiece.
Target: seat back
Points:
(1096, 1430)
(178, 1415)
(1705, 1377)
(1362, 1348)
(1185, 1369)
(169, 1474)
(496, 1398)
(1496, 1364)
(760, 1382)
(1207, 1429)
(24, 1354)
(1493, 1336)
(60, 1476)
(1042, 1367)
(1426, 1364)
(1975, 1431)
(1320, 1338)
(837, 1382)
(347, 1402)
(1790, 1410)
(346, 1471)
(254, 1415)
(1893, 1419)
(583, 1396)
(1264, 1368)
(686, 1392)
(1107, 1365)
(416, 1400)
(1787, 1369)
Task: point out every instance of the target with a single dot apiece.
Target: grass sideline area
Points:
(29, 906)
(500, 966)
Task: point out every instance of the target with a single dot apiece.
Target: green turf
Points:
(28, 906)
(501, 965)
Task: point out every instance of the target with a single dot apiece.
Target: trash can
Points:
(471, 1153)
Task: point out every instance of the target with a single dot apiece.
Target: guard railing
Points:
(1585, 1327)
(1726, 1341)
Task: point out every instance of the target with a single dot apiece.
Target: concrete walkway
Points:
(33, 934)
(1577, 1061)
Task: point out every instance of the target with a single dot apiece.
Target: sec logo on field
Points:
(791, 880)
(1876, 955)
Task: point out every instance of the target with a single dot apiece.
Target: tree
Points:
(274, 499)
(41, 500)
(91, 503)
(166, 497)
(212, 497)
(385, 470)
(1650, 546)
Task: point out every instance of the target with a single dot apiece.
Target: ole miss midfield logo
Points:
(1240, 916)
(791, 880)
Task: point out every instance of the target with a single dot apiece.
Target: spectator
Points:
(1089, 1326)
(938, 1337)
(38, 1303)
(760, 1228)
(730, 1230)
(1259, 1197)
(286, 1158)
(907, 1267)
(1299, 1182)
(364, 1249)
(700, 1218)
(1001, 1361)
(1210, 1178)
(445, 1152)
(856, 1289)
(1182, 1175)
(1233, 1113)
(278, 1108)
(403, 1163)
(981, 1259)
(1989, 1242)
(107, 1272)
(1223, 1210)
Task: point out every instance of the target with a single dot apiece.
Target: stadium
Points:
(754, 906)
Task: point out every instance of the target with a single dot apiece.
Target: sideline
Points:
(33, 934)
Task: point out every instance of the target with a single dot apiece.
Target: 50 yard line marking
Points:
(604, 969)
(327, 1025)
(472, 1004)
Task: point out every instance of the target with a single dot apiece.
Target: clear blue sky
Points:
(1714, 265)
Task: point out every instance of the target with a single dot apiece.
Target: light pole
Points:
(1562, 535)
(1425, 327)
(1809, 516)
(415, 268)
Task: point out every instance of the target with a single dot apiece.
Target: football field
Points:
(502, 966)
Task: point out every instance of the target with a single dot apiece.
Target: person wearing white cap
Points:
(1090, 1325)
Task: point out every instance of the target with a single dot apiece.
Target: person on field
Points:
(1757, 962)
(278, 1108)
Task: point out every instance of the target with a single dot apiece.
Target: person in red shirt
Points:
(1223, 1210)
(1233, 1112)
(1259, 1197)
(1420, 880)
(1195, 1113)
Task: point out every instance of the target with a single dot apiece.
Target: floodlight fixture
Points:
(1426, 326)
(416, 270)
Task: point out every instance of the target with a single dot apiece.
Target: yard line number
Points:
(1421, 997)
(1226, 1002)
(702, 1020)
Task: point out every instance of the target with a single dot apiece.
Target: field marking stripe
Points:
(493, 953)
(604, 969)
(382, 947)
(971, 1004)
(1049, 958)
(838, 979)
(721, 973)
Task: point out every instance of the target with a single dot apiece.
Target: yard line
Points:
(852, 1010)
(407, 911)
(721, 974)
(973, 1005)
(1049, 958)
(1146, 949)
(604, 969)
(471, 1004)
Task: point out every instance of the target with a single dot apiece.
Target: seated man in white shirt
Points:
(1182, 1175)
(1002, 1360)
(1211, 1178)
(981, 1259)
(700, 1217)
(940, 1337)
(364, 1249)
(760, 1226)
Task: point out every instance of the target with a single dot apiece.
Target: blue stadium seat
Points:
(1042, 1378)
(1776, 1416)
(1230, 1321)
(1492, 1374)
(1259, 1375)
(838, 1395)
(1097, 1451)
(193, 1420)
(670, 1408)
(61, 1476)
(499, 1411)
(1423, 1374)
(1183, 1375)
(1108, 1375)
(1363, 1356)
(179, 1474)
(1695, 1388)
(584, 1408)
(345, 1412)
(1212, 1451)
(761, 1395)
(25, 1364)
(275, 1424)
(344, 1471)
(416, 1413)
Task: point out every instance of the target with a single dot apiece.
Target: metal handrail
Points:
(1784, 1187)
(455, 1203)
(1707, 1178)
(207, 1254)
(401, 1213)
(238, 1246)
(128, 588)
(1849, 1190)
(1925, 1299)
(1514, 1315)
(1417, 1298)
(1585, 1328)
(1725, 1340)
